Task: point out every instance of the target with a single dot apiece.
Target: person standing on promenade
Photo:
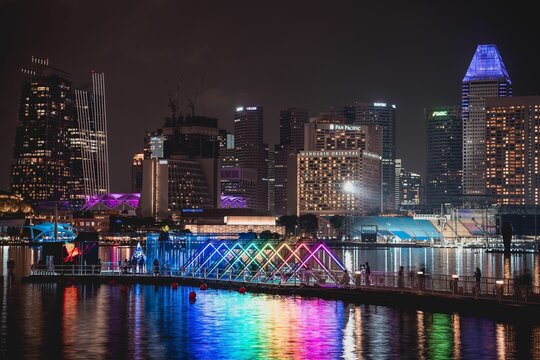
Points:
(346, 279)
(156, 267)
(11, 269)
(477, 277)
(422, 279)
(368, 274)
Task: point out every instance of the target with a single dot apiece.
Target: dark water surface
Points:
(147, 322)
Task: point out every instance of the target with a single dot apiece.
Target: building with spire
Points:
(92, 137)
(486, 77)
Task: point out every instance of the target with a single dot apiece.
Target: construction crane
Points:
(173, 101)
(193, 101)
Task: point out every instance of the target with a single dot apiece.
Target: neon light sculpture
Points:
(44, 232)
(262, 260)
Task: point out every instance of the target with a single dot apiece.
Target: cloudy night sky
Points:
(311, 54)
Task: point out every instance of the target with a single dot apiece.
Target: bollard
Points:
(499, 290)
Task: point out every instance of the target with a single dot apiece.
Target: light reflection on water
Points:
(158, 322)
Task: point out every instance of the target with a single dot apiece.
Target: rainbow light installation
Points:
(262, 261)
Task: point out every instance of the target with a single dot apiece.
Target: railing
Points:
(502, 290)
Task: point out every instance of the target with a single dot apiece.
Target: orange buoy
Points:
(242, 290)
(192, 296)
(203, 286)
(124, 288)
(174, 285)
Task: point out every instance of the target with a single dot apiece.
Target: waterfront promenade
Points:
(446, 293)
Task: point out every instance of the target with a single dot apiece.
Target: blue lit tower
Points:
(486, 77)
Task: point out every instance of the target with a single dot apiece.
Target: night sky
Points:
(311, 54)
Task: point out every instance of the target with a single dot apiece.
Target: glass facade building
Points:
(486, 77)
(444, 156)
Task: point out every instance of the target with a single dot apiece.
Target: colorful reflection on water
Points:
(143, 322)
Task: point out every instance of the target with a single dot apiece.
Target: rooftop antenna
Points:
(193, 101)
(173, 101)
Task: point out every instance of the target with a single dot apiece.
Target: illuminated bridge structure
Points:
(265, 261)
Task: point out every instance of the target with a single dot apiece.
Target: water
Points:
(140, 322)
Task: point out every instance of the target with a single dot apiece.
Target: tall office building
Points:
(346, 112)
(41, 167)
(181, 167)
(291, 140)
(410, 189)
(486, 77)
(250, 152)
(337, 172)
(513, 150)
(137, 173)
(92, 137)
(291, 127)
(444, 156)
(384, 115)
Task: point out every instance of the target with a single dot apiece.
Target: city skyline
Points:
(318, 74)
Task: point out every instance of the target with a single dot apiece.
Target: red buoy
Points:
(203, 286)
(174, 285)
(124, 288)
(192, 296)
(242, 290)
(112, 282)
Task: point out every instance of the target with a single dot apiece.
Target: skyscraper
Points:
(383, 115)
(250, 152)
(92, 126)
(512, 148)
(486, 77)
(291, 127)
(346, 112)
(181, 167)
(337, 172)
(291, 140)
(41, 167)
(444, 156)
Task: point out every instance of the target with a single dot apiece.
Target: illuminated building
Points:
(239, 182)
(338, 173)
(444, 156)
(92, 126)
(512, 150)
(41, 168)
(171, 185)
(232, 226)
(486, 77)
(250, 152)
(291, 140)
(181, 167)
(137, 173)
(226, 149)
(291, 127)
(384, 115)
(410, 185)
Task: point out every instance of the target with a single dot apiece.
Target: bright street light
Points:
(348, 186)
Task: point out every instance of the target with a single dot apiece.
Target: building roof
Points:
(112, 202)
(486, 64)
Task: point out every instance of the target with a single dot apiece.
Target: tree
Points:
(267, 234)
(338, 223)
(289, 221)
(308, 223)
